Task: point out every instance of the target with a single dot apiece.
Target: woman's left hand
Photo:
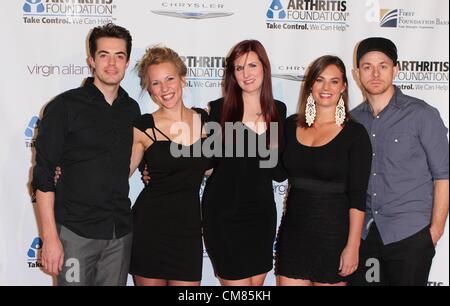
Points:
(349, 261)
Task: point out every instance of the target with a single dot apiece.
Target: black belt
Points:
(316, 185)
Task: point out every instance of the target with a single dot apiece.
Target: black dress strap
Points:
(145, 122)
(155, 128)
(152, 138)
(154, 134)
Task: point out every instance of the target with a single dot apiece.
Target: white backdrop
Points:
(44, 53)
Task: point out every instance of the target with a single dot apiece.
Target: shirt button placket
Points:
(374, 132)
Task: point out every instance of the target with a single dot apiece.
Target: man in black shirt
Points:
(86, 216)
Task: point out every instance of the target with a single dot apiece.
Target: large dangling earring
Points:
(340, 112)
(310, 112)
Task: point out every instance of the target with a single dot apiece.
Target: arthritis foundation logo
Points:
(276, 10)
(33, 253)
(307, 15)
(30, 131)
(33, 6)
(423, 75)
(204, 71)
(64, 12)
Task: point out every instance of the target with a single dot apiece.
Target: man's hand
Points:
(52, 255)
(435, 235)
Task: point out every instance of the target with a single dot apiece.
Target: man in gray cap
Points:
(408, 194)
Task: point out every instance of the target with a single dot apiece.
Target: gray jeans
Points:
(94, 262)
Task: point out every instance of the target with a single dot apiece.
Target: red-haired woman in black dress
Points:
(239, 212)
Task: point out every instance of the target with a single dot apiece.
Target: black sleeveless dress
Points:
(167, 236)
(239, 211)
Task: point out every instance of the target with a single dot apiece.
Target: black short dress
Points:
(239, 210)
(325, 183)
(167, 237)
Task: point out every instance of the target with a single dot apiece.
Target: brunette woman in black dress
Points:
(327, 158)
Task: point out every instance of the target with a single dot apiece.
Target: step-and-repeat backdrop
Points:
(43, 53)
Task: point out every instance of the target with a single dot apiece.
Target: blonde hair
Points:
(158, 55)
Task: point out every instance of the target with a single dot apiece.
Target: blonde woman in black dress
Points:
(327, 158)
(167, 240)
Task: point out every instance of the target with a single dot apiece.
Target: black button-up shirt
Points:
(91, 141)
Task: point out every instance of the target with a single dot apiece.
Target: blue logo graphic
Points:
(33, 6)
(276, 7)
(35, 246)
(31, 126)
(389, 18)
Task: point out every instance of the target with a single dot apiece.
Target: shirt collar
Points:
(96, 94)
(398, 100)
(366, 107)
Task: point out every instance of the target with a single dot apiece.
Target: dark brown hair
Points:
(109, 30)
(313, 73)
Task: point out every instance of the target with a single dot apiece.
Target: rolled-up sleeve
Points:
(433, 137)
(360, 157)
(49, 145)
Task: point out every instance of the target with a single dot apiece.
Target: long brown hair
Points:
(233, 106)
(314, 71)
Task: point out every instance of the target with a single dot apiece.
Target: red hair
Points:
(233, 106)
